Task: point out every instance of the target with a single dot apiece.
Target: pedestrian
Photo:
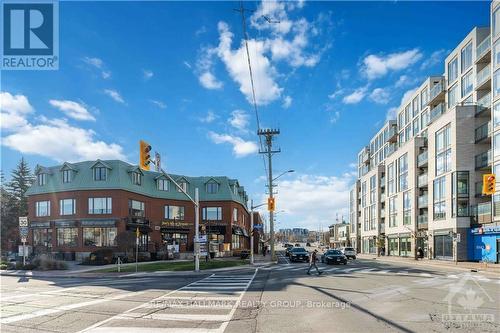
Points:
(312, 262)
(265, 250)
(420, 253)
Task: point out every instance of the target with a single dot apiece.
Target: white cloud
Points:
(380, 96)
(241, 147)
(210, 117)
(52, 138)
(209, 81)
(375, 66)
(264, 74)
(435, 58)
(147, 74)
(72, 109)
(14, 110)
(159, 104)
(392, 112)
(336, 93)
(335, 117)
(406, 80)
(98, 64)
(187, 64)
(239, 119)
(313, 199)
(356, 96)
(114, 95)
(287, 102)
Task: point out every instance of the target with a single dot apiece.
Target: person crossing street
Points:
(312, 262)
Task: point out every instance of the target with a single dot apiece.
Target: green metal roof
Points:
(119, 177)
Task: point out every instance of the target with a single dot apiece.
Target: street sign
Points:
(258, 226)
(23, 221)
(23, 239)
(23, 231)
(201, 239)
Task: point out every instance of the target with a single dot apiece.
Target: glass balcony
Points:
(422, 180)
(484, 103)
(422, 221)
(422, 159)
(436, 112)
(382, 228)
(483, 48)
(436, 91)
(483, 76)
(483, 160)
(484, 212)
(483, 132)
(422, 201)
(382, 181)
(393, 134)
(382, 197)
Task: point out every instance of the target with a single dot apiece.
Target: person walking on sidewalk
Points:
(312, 262)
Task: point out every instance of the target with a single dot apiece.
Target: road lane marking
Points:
(42, 293)
(176, 317)
(45, 312)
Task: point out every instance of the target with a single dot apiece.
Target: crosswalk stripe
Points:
(176, 316)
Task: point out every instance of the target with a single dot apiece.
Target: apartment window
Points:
(136, 208)
(496, 197)
(496, 145)
(235, 215)
(99, 237)
(373, 188)
(136, 178)
(496, 114)
(66, 176)
(212, 213)
(67, 207)
(452, 70)
(401, 118)
(162, 184)
(415, 106)
(424, 98)
(174, 212)
(373, 217)
(467, 84)
(460, 194)
(439, 197)
(42, 208)
(391, 183)
(67, 236)
(407, 207)
(424, 118)
(100, 206)
(415, 127)
(212, 188)
(408, 133)
(403, 172)
(496, 82)
(401, 137)
(453, 96)
(363, 194)
(496, 22)
(41, 179)
(443, 150)
(392, 211)
(407, 113)
(496, 53)
(366, 219)
(183, 185)
(100, 173)
(466, 57)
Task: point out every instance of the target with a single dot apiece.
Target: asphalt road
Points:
(362, 296)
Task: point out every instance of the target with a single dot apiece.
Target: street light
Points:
(252, 207)
(284, 173)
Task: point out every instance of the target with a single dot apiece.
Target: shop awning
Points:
(237, 230)
(245, 232)
(216, 229)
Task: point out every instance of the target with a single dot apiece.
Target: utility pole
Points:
(268, 134)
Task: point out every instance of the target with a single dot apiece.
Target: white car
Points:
(349, 252)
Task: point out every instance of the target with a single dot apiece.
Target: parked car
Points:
(299, 254)
(297, 245)
(349, 252)
(333, 257)
(308, 244)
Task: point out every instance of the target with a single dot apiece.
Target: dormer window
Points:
(67, 175)
(163, 184)
(100, 173)
(42, 179)
(136, 178)
(235, 190)
(183, 185)
(212, 188)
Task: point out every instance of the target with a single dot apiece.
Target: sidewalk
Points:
(260, 260)
(483, 267)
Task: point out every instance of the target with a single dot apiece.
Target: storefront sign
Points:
(63, 224)
(176, 224)
(97, 223)
(40, 225)
(486, 230)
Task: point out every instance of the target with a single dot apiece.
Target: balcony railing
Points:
(382, 213)
(437, 89)
(393, 134)
(382, 181)
(382, 228)
(436, 112)
(483, 76)
(484, 103)
(483, 160)
(422, 221)
(422, 201)
(422, 159)
(382, 197)
(483, 47)
(422, 180)
(484, 213)
(483, 132)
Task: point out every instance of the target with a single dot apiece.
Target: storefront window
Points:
(67, 236)
(405, 247)
(393, 247)
(175, 238)
(443, 247)
(235, 241)
(99, 236)
(42, 237)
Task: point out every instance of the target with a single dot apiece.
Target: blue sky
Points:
(175, 75)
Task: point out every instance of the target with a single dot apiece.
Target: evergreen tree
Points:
(21, 180)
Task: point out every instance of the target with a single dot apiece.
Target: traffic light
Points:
(144, 156)
(489, 184)
(270, 204)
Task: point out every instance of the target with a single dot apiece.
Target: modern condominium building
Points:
(420, 178)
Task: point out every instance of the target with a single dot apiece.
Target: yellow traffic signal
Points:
(270, 204)
(489, 184)
(144, 156)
